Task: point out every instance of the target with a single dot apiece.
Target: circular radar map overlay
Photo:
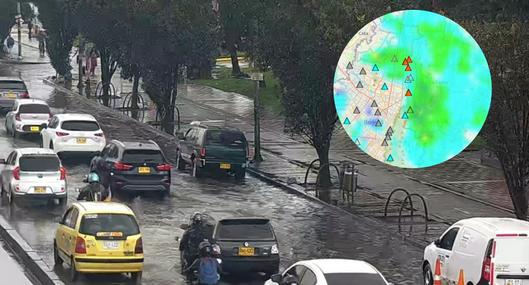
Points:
(412, 89)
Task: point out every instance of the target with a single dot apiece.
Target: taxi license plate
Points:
(40, 189)
(144, 170)
(11, 95)
(81, 140)
(225, 166)
(34, 128)
(246, 251)
(513, 282)
(111, 244)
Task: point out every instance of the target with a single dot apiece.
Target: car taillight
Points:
(122, 166)
(24, 95)
(163, 167)
(139, 246)
(63, 173)
(486, 269)
(203, 152)
(61, 134)
(99, 134)
(16, 173)
(17, 116)
(80, 246)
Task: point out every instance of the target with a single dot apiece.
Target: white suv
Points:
(33, 173)
(73, 133)
(27, 116)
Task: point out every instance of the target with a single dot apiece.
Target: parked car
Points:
(247, 245)
(206, 147)
(329, 272)
(33, 173)
(133, 166)
(11, 88)
(73, 133)
(488, 250)
(99, 237)
(27, 116)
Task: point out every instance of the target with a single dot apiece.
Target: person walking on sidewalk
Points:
(41, 37)
(30, 28)
(93, 62)
(10, 42)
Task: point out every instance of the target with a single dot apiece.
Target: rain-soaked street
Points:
(305, 229)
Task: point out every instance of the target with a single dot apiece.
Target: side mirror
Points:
(277, 278)
(2, 161)
(44, 126)
(184, 227)
(437, 242)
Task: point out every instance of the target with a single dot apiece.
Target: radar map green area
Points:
(412, 89)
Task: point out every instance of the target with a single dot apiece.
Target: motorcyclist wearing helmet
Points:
(197, 232)
(94, 187)
(206, 264)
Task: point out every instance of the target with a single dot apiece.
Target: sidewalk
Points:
(30, 50)
(10, 270)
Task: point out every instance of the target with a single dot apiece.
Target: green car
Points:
(213, 148)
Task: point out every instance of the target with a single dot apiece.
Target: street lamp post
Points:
(257, 77)
(19, 19)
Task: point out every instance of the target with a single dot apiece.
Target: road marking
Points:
(475, 181)
(462, 211)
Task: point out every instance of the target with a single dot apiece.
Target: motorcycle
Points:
(92, 196)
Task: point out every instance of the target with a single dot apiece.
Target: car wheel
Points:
(427, 274)
(62, 201)
(11, 198)
(73, 271)
(180, 163)
(56, 257)
(136, 277)
(197, 172)
(240, 174)
(50, 145)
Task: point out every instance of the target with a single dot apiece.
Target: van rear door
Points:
(511, 259)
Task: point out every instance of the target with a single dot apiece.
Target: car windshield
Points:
(39, 163)
(34, 109)
(354, 278)
(12, 85)
(244, 230)
(87, 126)
(142, 156)
(232, 139)
(91, 224)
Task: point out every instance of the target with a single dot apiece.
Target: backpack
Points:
(10, 42)
(207, 272)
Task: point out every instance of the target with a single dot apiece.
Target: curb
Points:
(30, 258)
(15, 61)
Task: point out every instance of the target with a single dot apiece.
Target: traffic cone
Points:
(437, 273)
(461, 278)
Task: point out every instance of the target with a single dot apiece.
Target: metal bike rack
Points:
(408, 197)
(327, 164)
(99, 94)
(391, 195)
(127, 106)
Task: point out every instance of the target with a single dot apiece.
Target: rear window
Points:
(244, 229)
(87, 126)
(512, 250)
(12, 85)
(226, 138)
(39, 163)
(34, 109)
(142, 155)
(91, 224)
(353, 278)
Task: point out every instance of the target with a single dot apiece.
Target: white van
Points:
(490, 251)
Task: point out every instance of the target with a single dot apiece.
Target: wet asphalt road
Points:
(305, 229)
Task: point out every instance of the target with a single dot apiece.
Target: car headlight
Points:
(274, 249)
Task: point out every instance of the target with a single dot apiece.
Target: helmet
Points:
(197, 218)
(93, 177)
(205, 248)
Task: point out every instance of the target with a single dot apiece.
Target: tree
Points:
(8, 10)
(507, 127)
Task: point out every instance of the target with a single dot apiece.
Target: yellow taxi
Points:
(99, 237)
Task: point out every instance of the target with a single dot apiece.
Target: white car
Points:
(33, 173)
(73, 133)
(329, 272)
(487, 250)
(27, 116)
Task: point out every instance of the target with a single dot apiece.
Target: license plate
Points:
(34, 128)
(513, 282)
(81, 140)
(11, 95)
(225, 166)
(111, 244)
(246, 251)
(144, 170)
(40, 189)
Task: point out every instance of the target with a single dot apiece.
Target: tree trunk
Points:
(105, 78)
(519, 200)
(134, 100)
(235, 68)
(324, 181)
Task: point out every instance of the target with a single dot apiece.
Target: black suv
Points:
(213, 148)
(133, 166)
(247, 245)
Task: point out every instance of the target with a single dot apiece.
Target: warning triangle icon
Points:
(374, 104)
(405, 116)
(362, 71)
(375, 67)
(388, 137)
(359, 85)
(405, 61)
(410, 110)
(356, 111)
(394, 59)
(349, 65)
(390, 131)
(390, 158)
(377, 113)
(408, 80)
(408, 68)
(346, 122)
(384, 87)
(378, 124)
(357, 142)
(409, 60)
(384, 143)
(408, 93)
(411, 77)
